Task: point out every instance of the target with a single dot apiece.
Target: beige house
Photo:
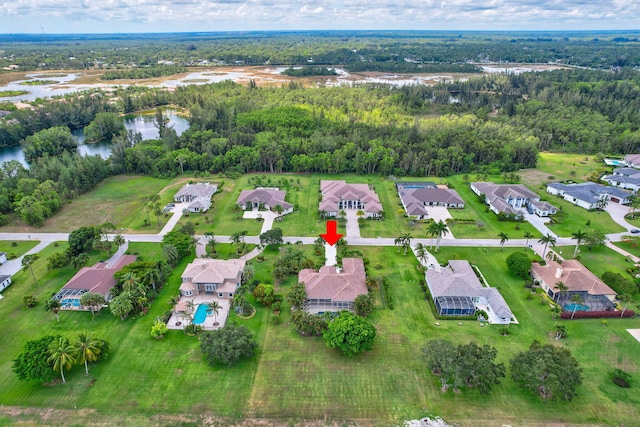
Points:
(596, 295)
(267, 198)
(332, 288)
(98, 279)
(338, 195)
(212, 276)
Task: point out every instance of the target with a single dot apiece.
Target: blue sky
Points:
(113, 16)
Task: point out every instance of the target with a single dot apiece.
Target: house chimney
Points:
(558, 272)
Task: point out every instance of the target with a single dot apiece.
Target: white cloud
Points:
(211, 15)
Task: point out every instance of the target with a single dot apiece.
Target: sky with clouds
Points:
(113, 16)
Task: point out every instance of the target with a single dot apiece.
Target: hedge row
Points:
(596, 314)
(388, 294)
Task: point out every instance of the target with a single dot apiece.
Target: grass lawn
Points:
(20, 248)
(599, 259)
(295, 377)
(561, 166)
(630, 244)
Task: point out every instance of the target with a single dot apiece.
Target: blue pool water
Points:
(617, 162)
(576, 307)
(200, 315)
(70, 301)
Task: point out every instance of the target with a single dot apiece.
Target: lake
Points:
(142, 123)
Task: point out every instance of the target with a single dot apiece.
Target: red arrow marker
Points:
(331, 236)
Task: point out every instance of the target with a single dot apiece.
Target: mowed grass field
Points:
(295, 378)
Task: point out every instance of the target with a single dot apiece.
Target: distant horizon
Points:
(177, 16)
(532, 31)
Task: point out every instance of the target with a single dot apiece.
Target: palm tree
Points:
(528, 236)
(214, 307)
(119, 241)
(562, 289)
(130, 282)
(278, 209)
(634, 202)
(438, 229)
(236, 238)
(248, 273)
(577, 300)
(191, 306)
(404, 241)
(602, 204)
(171, 254)
(555, 311)
(579, 237)
(547, 240)
(360, 213)
(53, 305)
(503, 239)
(27, 262)
(187, 317)
(87, 349)
(625, 298)
(421, 253)
(62, 354)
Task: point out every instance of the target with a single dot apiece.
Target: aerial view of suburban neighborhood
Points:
(340, 228)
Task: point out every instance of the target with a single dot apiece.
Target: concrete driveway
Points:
(617, 212)
(440, 213)
(267, 218)
(539, 223)
(353, 228)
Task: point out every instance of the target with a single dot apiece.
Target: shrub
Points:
(596, 314)
(388, 294)
(621, 378)
(30, 301)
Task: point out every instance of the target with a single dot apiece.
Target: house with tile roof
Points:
(97, 279)
(212, 276)
(338, 195)
(596, 295)
(417, 196)
(267, 198)
(333, 289)
(457, 291)
(628, 178)
(197, 195)
(588, 195)
(512, 199)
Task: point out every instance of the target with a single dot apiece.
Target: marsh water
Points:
(142, 123)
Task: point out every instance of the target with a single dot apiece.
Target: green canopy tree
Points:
(227, 345)
(87, 348)
(350, 333)
(33, 362)
(53, 305)
(549, 371)
(93, 300)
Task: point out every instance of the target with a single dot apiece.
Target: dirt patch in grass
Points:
(534, 176)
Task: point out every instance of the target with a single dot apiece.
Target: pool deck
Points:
(177, 322)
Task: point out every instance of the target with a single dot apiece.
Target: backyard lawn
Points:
(295, 377)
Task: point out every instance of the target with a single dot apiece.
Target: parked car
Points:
(635, 231)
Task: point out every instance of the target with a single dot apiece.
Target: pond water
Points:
(62, 86)
(142, 123)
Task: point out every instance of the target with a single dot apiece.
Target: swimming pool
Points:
(200, 314)
(576, 307)
(70, 302)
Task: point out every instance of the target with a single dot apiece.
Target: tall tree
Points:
(577, 301)
(53, 305)
(227, 345)
(547, 240)
(27, 263)
(350, 333)
(33, 362)
(87, 349)
(62, 354)
(578, 236)
(562, 289)
(404, 242)
(438, 230)
(528, 236)
(93, 300)
(503, 239)
(214, 307)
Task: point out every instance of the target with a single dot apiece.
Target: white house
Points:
(3, 257)
(5, 281)
(416, 196)
(628, 178)
(268, 198)
(632, 160)
(197, 195)
(457, 291)
(588, 194)
(512, 199)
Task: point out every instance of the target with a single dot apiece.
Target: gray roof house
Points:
(267, 197)
(588, 194)
(416, 196)
(628, 178)
(338, 195)
(457, 291)
(332, 288)
(512, 199)
(632, 160)
(5, 281)
(197, 195)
